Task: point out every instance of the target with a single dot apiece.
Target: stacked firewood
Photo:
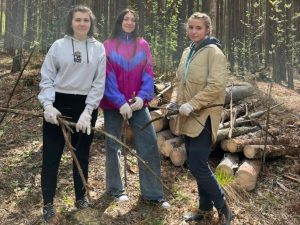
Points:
(239, 132)
(240, 135)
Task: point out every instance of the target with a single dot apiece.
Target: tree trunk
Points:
(162, 136)
(1, 15)
(181, 30)
(256, 151)
(237, 144)
(141, 11)
(238, 92)
(172, 124)
(228, 165)
(247, 174)
(168, 145)
(243, 120)
(210, 7)
(159, 124)
(17, 61)
(238, 109)
(223, 134)
(8, 36)
(178, 155)
(31, 24)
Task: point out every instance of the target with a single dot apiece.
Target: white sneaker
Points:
(165, 204)
(122, 198)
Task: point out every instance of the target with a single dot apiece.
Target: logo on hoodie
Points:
(77, 57)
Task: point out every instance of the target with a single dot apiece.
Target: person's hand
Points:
(171, 107)
(185, 109)
(50, 114)
(138, 104)
(84, 122)
(126, 111)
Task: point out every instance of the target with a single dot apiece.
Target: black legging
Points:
(53, 145)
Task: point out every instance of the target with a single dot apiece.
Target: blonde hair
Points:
(205, 18)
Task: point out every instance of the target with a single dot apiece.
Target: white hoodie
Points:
(59, 72)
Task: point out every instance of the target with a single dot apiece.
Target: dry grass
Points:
(20, 164)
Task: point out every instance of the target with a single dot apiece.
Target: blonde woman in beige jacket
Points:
(199, 84)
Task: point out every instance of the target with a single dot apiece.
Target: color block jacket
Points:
(129, 71)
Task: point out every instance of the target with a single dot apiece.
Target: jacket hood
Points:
(207, 41)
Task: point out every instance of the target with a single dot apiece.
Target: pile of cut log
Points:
(239, 132)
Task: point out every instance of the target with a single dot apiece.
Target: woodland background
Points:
(261, 40)
(257, 35)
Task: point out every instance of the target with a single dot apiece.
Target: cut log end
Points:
(178, 155)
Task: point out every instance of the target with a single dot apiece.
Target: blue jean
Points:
(198, 151)
(146, 147)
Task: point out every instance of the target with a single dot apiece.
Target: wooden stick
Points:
(106, 134)
(15, 86)
(292, 178)
(130, 151)
(263, 159)
(175, 112)
(67, 136)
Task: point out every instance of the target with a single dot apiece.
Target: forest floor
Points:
(275, 200)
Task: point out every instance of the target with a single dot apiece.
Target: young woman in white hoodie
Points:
(72, 84)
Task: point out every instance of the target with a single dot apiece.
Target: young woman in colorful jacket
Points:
(129, 87)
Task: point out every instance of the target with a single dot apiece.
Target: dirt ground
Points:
(275, 200)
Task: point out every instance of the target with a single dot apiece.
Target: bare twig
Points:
(175, 112)
(267, 126)
(67, 123)
(25, 112)
(292, 178)
(164, 91)
(67, 136)
(17, 81)
(22, 102)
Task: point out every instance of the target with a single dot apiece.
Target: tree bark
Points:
(223, 134)
(228, 165)
(162, 136)
(256, 151)
(159, 124)
(247, 174)
(178, 155)
(238, 92)
(237, 144)
(168, 145)
(238, 109)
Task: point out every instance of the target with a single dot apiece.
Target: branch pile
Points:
(241, 136)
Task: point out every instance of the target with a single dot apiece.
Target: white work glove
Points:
(126, 111)
(138, 104)
(50, 114)
(185, 109)
(84, 122)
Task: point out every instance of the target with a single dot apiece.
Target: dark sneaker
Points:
(82, 203)
(48, 212)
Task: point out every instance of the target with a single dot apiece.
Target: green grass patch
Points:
(157, 222)
(223, 178)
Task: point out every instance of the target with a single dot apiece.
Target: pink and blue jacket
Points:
(129, 71)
